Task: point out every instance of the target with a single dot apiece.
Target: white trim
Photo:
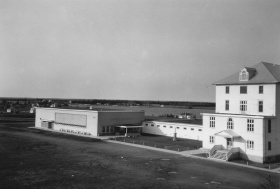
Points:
(130, 126)
(47, 120)
(239, 115)
(89, 110)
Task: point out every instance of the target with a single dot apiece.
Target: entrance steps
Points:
(220, 154)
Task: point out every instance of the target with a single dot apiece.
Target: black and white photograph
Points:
(139, 94)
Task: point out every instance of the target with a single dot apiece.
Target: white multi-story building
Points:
(247, 118)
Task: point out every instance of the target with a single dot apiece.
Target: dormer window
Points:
(244, 75)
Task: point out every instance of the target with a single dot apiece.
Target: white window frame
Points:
(243, 75)
(250, 144)
(260, 104)
(212, 122)
(243, 105)
(230, 123)
(227, 105)
(250, 125)
(261, 89)
(211, 139)
(227, 90)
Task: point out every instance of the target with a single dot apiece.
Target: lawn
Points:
(163, 142)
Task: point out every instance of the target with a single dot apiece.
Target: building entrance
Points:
(229, 143)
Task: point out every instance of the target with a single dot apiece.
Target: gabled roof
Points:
(264, 73)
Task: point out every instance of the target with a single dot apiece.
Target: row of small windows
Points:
(250, 124)
(243, 90)
(152, 125)
(243, 105)
(229, 123)
(108, 129)
(250, 143)
(72, 125)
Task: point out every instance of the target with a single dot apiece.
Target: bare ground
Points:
(40, 159)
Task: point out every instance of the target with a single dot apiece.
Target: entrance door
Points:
(229, 143)
(50, 125)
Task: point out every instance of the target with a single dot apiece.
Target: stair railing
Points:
(232, 151)
(215, 148)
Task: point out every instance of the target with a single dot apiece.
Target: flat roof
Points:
(240, 115)
(123, 126)
(182, 121)
(87, 109)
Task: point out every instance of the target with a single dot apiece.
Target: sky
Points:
(132, 49)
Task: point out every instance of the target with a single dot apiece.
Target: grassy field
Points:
(163, 142)
(32, 158)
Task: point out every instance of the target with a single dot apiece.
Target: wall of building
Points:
(240, 128)
(253, 97)
(114, 118)
(187, 131)
(274, 136)
(68, 125)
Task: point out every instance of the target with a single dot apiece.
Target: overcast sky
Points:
(132, 49)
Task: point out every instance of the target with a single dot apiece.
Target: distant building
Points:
(86, 121)
(247, 118)
(186, 116)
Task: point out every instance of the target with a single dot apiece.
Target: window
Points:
(250, 125)
(185, 128)
(243, 89)
(152, 125)
(158, 126)
(244, 75)
(211, 139)
(260, 89)
(212, 122)
(199, 129)
(243, 105)
(171, 127)
(178, 127)
(112, 129)
(192, 129)
(269, 145)
(227, 105)
(260, 106)
(269, 126)
(164, 126)
(230, 123)
(103, 129)
(250, 144)
(146, 124)
(227, 89)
